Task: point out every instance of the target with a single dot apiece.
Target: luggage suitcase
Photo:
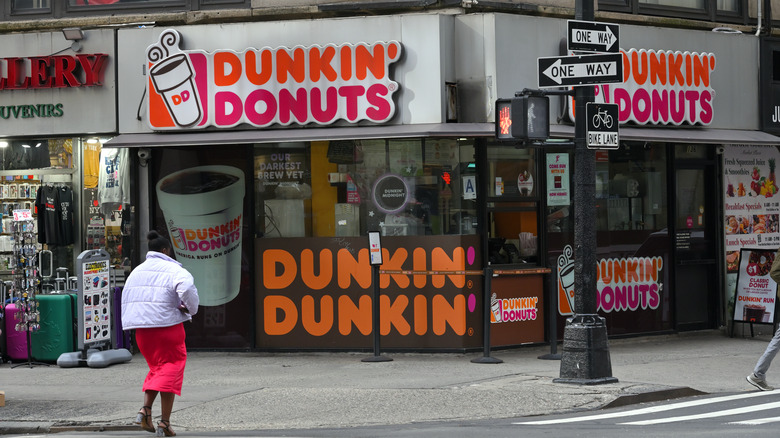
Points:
(16, 342)
(121, 337)
(2, 332)
(56, 334)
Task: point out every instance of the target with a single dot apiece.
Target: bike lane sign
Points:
(602, 130)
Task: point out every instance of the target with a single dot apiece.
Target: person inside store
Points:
(758, 377)
(158, 298)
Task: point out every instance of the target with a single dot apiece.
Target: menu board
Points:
(751, 199)
(756, 291)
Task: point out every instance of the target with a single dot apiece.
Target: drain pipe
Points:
(758, 13)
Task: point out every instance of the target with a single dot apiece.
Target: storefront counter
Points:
(517, 304)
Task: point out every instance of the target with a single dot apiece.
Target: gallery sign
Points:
(61, 71)
(49, 89)
(262, 87)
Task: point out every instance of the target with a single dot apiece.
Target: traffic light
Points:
(523, 118)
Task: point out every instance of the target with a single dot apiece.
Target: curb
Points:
(21, 427)
(653, 396)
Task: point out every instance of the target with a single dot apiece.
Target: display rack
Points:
(25, 278)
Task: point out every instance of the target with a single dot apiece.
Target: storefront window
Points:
(36, 183)
(633, 240)
(513, 189)
(107, 209)
(631, 188)
(36, 154)
(348, 187)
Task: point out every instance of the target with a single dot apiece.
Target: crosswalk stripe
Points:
(649, 410)
(756, 422)
(735, 411)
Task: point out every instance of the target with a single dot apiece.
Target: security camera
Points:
(144, 154)
(720, 150)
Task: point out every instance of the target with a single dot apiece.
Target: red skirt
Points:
(165, 353)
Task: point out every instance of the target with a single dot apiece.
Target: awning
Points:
(682, 135)
(199, 138)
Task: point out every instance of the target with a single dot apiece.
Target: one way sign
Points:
(591, 36)
(562, 71)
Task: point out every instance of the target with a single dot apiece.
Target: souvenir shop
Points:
(60, 191)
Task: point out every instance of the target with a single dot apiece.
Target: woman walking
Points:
(158, 297)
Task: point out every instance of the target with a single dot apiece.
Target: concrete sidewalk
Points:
(249, 391)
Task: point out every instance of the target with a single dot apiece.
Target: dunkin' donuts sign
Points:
(662, 87)
(262, 87)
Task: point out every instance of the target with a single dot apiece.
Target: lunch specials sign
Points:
(266, 86)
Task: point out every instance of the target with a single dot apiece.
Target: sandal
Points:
(165, 430)
(144, 418)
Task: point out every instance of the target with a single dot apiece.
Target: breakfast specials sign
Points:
(751, 201)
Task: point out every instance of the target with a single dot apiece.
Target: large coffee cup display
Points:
(203, 208)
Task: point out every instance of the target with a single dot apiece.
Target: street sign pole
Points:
(585, 355)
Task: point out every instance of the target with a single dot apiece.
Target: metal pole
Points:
(376, 314)
(486, 318)
(585, 357)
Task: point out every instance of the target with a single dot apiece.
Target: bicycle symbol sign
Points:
(602, 132)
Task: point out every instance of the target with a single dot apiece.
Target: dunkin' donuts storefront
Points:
(689, 100)
(273, 148)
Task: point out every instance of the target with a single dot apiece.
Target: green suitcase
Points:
(57, 334)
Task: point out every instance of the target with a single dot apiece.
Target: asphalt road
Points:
(750, 413)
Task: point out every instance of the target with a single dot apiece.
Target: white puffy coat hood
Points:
(153, 292)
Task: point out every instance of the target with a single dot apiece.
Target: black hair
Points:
(157, 242)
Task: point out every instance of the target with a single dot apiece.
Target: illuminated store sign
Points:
(62, 71)
(662, 87)
(262, 87)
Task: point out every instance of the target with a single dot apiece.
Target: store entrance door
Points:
(695, 242)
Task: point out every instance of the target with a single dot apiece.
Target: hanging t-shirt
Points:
(114, 179)
(65, 200)
(91, 165)
(40, 217)
(49, 216)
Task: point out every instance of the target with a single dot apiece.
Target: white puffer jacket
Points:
(154, 291)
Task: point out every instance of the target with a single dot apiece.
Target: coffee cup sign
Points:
(173, 77)
(203, 208)
(390, 193)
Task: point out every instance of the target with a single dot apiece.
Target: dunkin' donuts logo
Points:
(513, 309)
(262, 87)
(207, 242)
(624, 285)
(662, 87)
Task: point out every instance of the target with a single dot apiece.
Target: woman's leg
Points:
(166, 404)
(149, 396)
